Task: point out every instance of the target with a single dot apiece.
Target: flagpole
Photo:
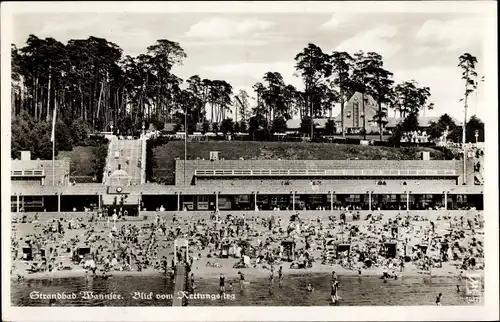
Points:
(54, 116)
(53, 161)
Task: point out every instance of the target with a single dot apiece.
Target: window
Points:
(203, 198)
(329, 197)
(353, 198)
(32, 201)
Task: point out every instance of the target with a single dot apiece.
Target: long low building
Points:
(256, 185)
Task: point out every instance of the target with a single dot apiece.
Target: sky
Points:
(240, 48)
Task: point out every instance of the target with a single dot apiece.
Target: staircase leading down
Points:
(124, 155)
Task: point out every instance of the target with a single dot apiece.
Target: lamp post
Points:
(182, 87)
(185, 140)
(464, 146)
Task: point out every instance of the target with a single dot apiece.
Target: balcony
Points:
(324, 173)
(27, 173)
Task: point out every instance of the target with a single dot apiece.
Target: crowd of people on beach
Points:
(101, 246)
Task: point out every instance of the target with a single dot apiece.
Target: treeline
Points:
(35, 136)
(92, 81)
(29, 134)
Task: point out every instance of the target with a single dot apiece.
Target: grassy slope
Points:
(165, 155)
(82, 158)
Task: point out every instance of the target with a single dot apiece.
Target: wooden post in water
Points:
(180, 284)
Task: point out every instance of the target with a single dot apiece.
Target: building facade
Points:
(230, 185)
(354, 114)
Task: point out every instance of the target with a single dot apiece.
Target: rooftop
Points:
(422, 121)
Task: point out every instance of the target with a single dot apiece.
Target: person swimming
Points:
(222, 282)
(242, 280)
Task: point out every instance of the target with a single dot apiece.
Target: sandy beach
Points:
(200, 269)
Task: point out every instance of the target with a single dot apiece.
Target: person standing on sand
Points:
(280, 276)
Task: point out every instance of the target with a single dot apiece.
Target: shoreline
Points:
(250, 273)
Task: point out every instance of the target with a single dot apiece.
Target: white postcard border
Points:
(487, 312)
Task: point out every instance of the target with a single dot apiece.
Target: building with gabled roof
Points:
(354, 113)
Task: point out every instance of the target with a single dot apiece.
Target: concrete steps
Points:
(127, 155)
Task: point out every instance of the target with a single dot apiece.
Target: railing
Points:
(27, 173)
(313, 172)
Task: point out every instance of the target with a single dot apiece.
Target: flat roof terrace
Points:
(158, 189)
(321, 173)
(315, 168)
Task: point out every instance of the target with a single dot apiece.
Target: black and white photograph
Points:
(277, 157)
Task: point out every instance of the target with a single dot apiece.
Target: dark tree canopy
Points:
(95, 87)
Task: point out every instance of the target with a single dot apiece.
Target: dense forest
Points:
(94, 87)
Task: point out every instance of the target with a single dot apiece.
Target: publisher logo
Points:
(473, 288)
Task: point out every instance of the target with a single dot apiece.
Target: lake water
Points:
(354, 291)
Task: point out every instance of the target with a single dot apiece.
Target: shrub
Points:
(330, 127)
(101, 153)
(79, 131)
(64, 140)
(215, 128)
(262, 135)
(408, 153)
(205, 127)
(227, 126)
(243, 127)
(279, 125)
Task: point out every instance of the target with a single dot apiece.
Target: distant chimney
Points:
(25, 155)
